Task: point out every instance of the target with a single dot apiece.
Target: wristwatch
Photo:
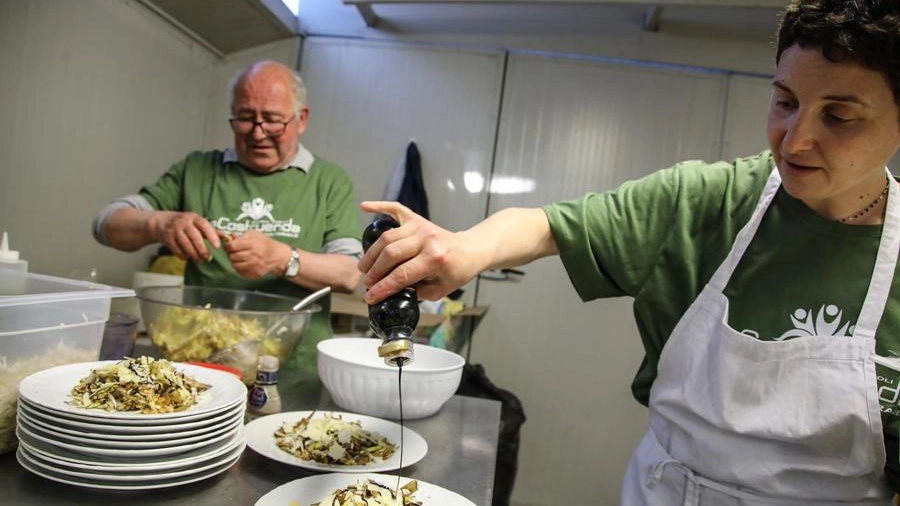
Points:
(293, 266)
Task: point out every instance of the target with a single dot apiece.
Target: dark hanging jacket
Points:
(412, 191)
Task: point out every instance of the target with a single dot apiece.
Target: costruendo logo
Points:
(256, 209)
(256, 214)
(827, 321)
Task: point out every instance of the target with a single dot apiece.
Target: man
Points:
(265, 215)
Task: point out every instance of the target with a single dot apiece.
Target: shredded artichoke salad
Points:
(184, 333)
(138, 384)
(371, 493)
(329, 439)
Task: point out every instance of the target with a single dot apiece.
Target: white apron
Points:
(739, 421)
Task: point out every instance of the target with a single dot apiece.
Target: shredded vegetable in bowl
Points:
(329, 439)
(371, 493)
(194, 334)
(138, 384)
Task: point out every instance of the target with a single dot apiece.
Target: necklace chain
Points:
(869, 207)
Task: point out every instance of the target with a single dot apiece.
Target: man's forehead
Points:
(264, 87)
(270, 110)
(275, 101)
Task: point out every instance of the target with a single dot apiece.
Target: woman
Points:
(764, 288)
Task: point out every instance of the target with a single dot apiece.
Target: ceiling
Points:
(227, 26)
(654, 8)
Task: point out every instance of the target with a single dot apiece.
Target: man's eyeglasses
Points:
(270, 128)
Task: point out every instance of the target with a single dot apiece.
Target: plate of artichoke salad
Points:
(343, 489)
(335, 441)
(142, 390)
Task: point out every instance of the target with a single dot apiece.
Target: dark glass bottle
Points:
(393, 319)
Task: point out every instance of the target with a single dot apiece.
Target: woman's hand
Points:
(417, 253)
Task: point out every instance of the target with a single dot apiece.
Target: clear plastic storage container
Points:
(45, 321)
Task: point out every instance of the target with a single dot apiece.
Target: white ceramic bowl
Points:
(359, 380)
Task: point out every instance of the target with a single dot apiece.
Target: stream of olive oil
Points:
(400, 396)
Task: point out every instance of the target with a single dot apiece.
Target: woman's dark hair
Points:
(864, 31)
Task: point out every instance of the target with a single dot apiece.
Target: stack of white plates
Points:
(127, 450)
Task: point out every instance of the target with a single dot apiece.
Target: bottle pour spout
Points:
(6, 254)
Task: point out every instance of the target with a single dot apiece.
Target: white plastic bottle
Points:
(9, 258)
(264, 397)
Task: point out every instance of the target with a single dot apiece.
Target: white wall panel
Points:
(574, 126)
(98, 98)
(745, 118)
(367, 100)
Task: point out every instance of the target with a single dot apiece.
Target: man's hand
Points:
(254, 254)
(184, 234)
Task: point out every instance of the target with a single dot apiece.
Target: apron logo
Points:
(827, 322)
(888, 394)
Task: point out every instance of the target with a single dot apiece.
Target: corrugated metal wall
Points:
(575, 126)
(567, 126)
(368, 100)
(745, 125)
(98, 98)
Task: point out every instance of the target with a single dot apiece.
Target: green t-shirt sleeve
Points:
(167, 193)
(666, 232)
(609, 242)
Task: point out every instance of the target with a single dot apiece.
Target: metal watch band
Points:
(293, 266)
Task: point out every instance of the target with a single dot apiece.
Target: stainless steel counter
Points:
(462, 449)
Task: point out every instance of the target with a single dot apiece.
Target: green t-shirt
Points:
(659, 240)
(302, 209)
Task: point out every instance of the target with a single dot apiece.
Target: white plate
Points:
(114, 475)
(57, 434)
(50, 389)
(30, 465)
(128, 453)
(306, 491)
(62, 456)
(166, 431)
(261, 438)
(92, 418)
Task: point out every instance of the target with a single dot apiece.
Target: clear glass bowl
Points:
(221, 325)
